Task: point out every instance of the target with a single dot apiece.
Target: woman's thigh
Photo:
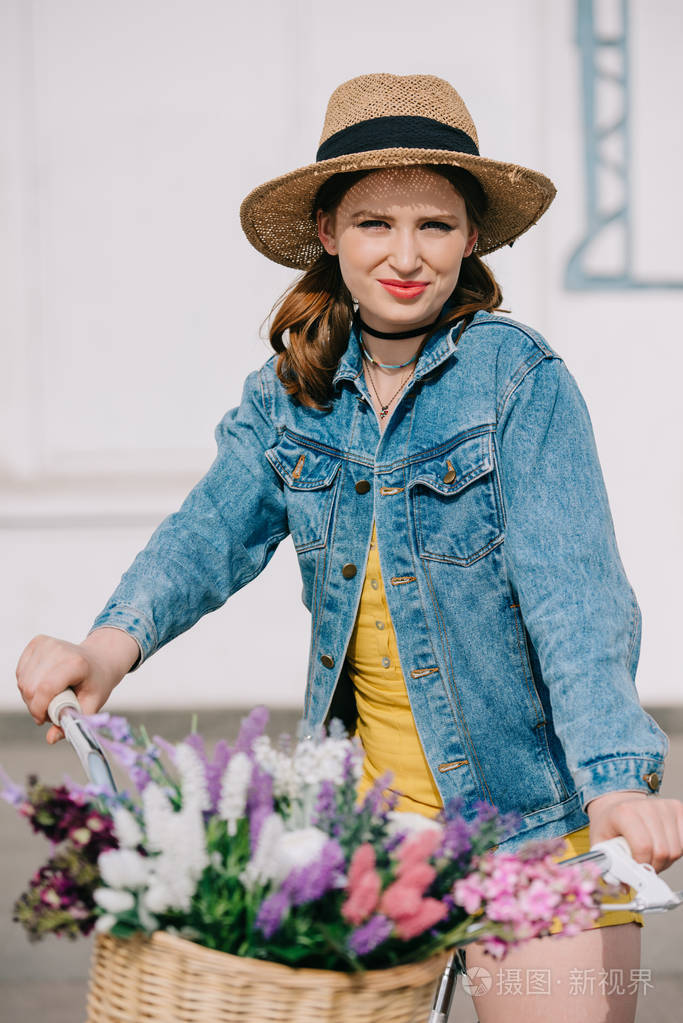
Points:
(586, 978)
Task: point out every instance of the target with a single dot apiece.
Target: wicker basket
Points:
(167, 979)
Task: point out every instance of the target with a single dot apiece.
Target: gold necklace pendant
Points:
(384, 409)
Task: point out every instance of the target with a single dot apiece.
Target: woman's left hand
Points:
(652, 826)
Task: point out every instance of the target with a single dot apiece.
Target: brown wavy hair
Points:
(317, 310)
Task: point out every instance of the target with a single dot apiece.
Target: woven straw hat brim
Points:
(277, 216)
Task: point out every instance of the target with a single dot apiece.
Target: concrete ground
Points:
(47, 982)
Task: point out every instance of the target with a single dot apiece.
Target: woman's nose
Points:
(405, 254)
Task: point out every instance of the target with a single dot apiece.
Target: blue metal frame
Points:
(598, 216)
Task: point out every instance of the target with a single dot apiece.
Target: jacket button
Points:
(327, 661)
(653, 780)
(349, 570)
(362, 487)
(450, 476)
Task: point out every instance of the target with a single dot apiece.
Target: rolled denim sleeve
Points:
(222, 536)
(577, 604)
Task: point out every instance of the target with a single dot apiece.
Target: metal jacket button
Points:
(653, 780)
(349, 570)
(362, 486)
(327, 661)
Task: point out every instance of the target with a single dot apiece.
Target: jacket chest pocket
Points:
(455, 503)
(310, 481)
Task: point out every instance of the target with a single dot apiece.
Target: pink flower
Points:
(363, 886)
(362, 898)
(468, 893)
(416, 849)
(418, 875)
(505, 876)
(538, 901)
(362, 860)
(504, 907)
(430, 911)
(530, 894)
(495, 946)
(404, 896)
(400, 900)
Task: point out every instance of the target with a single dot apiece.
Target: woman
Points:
(435, 465)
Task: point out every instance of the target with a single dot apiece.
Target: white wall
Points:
(130, 301)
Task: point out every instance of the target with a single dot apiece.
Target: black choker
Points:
(401, 335)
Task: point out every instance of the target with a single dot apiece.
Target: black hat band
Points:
(396, 133)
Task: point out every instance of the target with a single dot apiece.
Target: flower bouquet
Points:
(255, 883)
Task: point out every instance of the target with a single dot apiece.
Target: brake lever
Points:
(613, 856)
(65, 712)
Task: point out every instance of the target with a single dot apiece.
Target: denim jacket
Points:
(517, 629)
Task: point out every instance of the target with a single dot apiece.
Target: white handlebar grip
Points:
(60, 703)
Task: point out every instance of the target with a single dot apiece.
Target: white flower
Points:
(234, 787)
(277, 763)
(159, 815)
(190, 841)
(312, 762)
(193, 776)
(113, 900)
(147, 920)
(126, 828)
(179, 839)
(124, 868)
(297, 849)
(406, 823)
(158, 897)
(261, 866)
(105, 923)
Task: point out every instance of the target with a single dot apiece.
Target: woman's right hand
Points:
(92, 669)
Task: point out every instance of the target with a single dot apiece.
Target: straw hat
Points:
(377, 121)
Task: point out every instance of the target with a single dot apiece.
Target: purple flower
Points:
(309, 883)
(453, 807)
(326, 800)
(540, 848)
(377, 799)
(215, 770)
(90, 791)
(510, 823)
(124, 753)
(167, 747)
(271, 913)
(11, 793)
(196, 742)
(348, 766)
(139, 776)
(485, 811)
(252, 726)
(118, 727)
(393, 843)
(456, 838)
(259, 803)
(366, 938)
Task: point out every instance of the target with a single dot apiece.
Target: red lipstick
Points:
(403, 289)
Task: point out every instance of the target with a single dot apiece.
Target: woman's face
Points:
(400, 235)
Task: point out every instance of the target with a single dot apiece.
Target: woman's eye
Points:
(438, 224)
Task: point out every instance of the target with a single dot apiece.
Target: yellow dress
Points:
(386, 726)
